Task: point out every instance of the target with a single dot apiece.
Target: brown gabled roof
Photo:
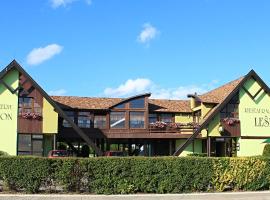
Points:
(88, 103)
(239, 83)
(219, 94)
(95, 103)
(164, 105)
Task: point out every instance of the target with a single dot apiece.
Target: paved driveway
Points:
(204, 196)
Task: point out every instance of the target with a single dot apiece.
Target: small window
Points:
(24, 143)
(84, 119)
(167, 118)
(100, 121)
(117, 119)
(136, 120)
(120, 106)
(137, 103)
(153, 118)
(70, 114)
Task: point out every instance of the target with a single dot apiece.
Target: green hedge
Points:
(135, 174)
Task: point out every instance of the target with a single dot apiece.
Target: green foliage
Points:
(198, 154)
(266, 150)
(21, 173)
(127, 175)
(2, 153)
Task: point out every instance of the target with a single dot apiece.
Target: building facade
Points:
(232, 120)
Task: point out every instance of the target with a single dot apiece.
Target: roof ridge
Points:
(238, 79)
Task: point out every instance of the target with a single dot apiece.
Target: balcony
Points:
(167, 128)
(230, 127)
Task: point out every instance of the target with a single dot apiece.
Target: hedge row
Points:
(134, 174)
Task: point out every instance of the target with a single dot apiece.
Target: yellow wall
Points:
(206, 109)
(189, 149)
(50, 118)
(9, 106)
(180, 118)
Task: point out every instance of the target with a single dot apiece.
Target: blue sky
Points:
(125, 47)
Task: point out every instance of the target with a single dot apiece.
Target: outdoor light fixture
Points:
(220, 129)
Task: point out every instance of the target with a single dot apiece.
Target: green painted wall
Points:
(9, 114)
(189, 149)
(213, 128)
(254, 116)
(48, 144)
(250, 147)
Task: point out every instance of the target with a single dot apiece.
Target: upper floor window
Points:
(70, 114)
(153, 118)
(84, 119)
(117, 119)
(231, 109)
(136, 120)
(167, 118)
(137, 103)
(100, 121)
(120, 106)
(28, 105)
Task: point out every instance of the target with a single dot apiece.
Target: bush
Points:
(2, 153)
(21, 173)
(266, 150)
(198, 154)
(127, 175)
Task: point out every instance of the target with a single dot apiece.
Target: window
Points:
(100, 121)
(137, 103)
(28, 105)
(153, 118)
(117, 119)
(136, 120)
(231, 109)
(120, 106)
(70, 114)
(30, 144)
(167, 118)
(84, 119)
(24, 143)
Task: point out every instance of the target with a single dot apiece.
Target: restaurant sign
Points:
(5, 112)
(261, 116)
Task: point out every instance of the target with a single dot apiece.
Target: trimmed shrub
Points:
(127, 175)
(2, 153)
(24, 173)
(266, 150)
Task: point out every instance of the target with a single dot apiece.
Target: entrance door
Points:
(223, 147)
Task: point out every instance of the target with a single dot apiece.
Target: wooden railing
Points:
(162, 127)
(231, 127)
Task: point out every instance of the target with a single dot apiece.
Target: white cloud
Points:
(148, 33)
(139, 86)
(180, 92)
(59, 3)
(88, 2)
(41, 54)
(60, 92)
(64, 3)
(129, 87)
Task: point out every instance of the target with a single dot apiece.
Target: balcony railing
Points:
(231, 127)
(163, 127)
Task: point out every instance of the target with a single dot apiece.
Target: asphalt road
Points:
(202, 196)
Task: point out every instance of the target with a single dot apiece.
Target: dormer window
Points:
(137, 103)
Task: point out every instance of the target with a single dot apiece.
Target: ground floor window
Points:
(30, 144)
